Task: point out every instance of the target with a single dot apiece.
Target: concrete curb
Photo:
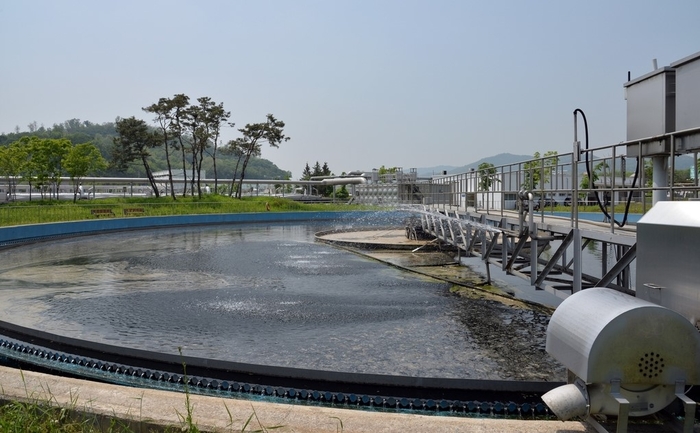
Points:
(148, 408)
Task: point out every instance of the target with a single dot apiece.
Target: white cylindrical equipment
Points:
(619, 346)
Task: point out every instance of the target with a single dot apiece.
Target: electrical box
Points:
(668, 241)
(651, 111)
(688, 101)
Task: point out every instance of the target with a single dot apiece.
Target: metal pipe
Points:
(575, 158)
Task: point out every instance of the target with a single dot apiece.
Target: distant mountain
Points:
(684, 162)
(500, 159)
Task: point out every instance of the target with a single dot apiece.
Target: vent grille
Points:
(651, 364)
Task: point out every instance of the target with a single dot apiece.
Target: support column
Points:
(578, 275)
(659, 178)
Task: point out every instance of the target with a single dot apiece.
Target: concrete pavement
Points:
(151, 408)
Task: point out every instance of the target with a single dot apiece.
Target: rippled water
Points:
(249, 293)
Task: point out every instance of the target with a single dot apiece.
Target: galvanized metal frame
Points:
(491, 219)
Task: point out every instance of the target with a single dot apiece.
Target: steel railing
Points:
(619, 172)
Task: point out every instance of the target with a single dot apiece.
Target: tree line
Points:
(189, 133)
(320, 172)
(43, 161)
(102, 136)
(186, 137)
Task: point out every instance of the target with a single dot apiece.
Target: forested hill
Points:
(101, 135)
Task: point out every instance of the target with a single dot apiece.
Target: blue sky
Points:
(359, 84)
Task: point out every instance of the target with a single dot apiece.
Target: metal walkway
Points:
(480, 211)
(543, 252)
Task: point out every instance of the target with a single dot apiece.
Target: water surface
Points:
(264, 294)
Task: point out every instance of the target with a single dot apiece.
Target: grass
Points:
(619, 208)
(38, 417)
(187, 420)
(46, 414)
(45, 417)
(46, 211)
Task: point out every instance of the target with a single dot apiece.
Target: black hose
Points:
(592, 182)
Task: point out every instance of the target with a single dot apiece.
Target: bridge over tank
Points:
(517, 247)
(528, 218)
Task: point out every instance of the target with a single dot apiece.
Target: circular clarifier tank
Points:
(259, 294)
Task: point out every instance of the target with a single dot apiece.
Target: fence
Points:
(606, 176)
(55, 212)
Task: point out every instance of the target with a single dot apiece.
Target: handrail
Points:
(553, 181)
